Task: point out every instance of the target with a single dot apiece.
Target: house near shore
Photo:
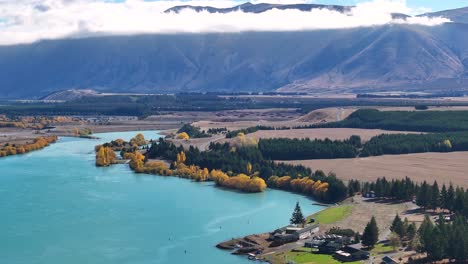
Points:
(338, 250)
(330, 247)
(319, 240)
(349, 253)
(293, 233)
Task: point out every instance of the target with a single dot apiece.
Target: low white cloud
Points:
(25, 21)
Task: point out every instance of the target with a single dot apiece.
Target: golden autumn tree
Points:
(249, 168)
(137, 162)
(38, 143)
(105, 156)
(183, 136)
(138, 140)
(181, 158)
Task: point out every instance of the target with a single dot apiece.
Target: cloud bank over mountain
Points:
(26, 21)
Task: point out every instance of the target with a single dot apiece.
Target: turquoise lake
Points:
(57, 207)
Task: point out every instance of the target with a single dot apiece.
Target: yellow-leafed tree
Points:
(105, 156)
(183, 136)
(249, 168)
(138, 140)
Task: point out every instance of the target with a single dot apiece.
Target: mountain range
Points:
(259, 8)
(393, 57)
(263, 7)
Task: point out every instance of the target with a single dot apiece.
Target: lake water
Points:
(57, 207)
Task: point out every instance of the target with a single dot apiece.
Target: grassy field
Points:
(305, 258)
(333, 214)
(381, 249)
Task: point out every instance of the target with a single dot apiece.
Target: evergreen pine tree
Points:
(436, 247)
(411, 231)
(450, 198)
(435, 196)
(297, 217)
(397, 226)
(423, 197)
(406, 224)
(425, 234)
(371, 234)
(443, 197)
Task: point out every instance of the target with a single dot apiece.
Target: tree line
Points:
(236, 160)
(296, 149)
(38, 143)
(419, 121)
(428, 196)
(444, 240)
(193, 131)
(415, 143)
(385, 144)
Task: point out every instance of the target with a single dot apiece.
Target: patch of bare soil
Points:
(200, 143)
(233, 120)
(443, 167)
(363, 210)
(327, 115)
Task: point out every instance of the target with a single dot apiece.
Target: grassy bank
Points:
(304, 256)
(333, 214)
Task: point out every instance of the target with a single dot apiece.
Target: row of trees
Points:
(426, 195)
(415, 143)
(193, 131)
(214, 131)
(304, 185)
(38, 143)
(240, 182)
(444, 240)
(105, 153)
(31, 122)
(245, 131)
(249, 160)
(297, 149)
(451, 199)
(421, 121)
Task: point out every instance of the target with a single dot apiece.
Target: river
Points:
(57, 207)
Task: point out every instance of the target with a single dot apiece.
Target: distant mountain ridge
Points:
(263, 7)
(394, 57)
(459, 15)
(259, 8)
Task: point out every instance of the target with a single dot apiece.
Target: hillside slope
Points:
(392, 57)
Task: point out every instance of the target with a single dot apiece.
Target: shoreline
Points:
(260, 242)
(231, 244)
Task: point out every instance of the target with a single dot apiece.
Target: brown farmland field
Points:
(322, 133)
(443, 167)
